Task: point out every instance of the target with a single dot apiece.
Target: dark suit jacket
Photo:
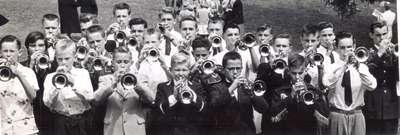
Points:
(69, 18)
(382, 103)
(180, 119)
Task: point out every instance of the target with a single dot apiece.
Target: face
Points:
(96, 40)
(264, 36)
(152, 40)
(234, 67)
(86, 25)
(345, 45)
(122, 16)
(201, 53)
(188, 29)
(137, 31)
(168, 20)
(51, 28)
(282, 45)
(215, 29)
(180, 70)
(38, 46)
(297, 72)
(122, 61)
(65, 58)
(231, 35)
(10, 50)
(309, 41)
(327, 35)
(379, 34)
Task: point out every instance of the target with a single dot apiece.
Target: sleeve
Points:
(161, 100)
(30, 75)
(49, 93)
(260, 104)
(262, 72)
(367, 79)
(99, 96)
(331, 75)
(83, 85)
(219, 95)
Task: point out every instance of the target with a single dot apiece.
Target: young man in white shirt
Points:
(170, 38)
(122, 15)
(327, 42)
(51, 27)
(347, 80)
(70, 102)
(17, 93)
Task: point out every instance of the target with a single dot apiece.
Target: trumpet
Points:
(307, 97)
(361, 55)
(185, 94)
(120, 37)
(216, 41)
(128, 81)
(207, 67)
(259, 86)
(264, 50)
(153, 54)
(248, 39)
(60, 80)
(6, 73)
(81, 52)
(93, 53)
(98, 64)
(317, 58)
(42, 62)
(279, 64)
(132, 42)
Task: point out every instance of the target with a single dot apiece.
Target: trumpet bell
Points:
(132, 42)
(43, 62)
(361, 54)
(186, 96)
(264, 50)
(60, 81)
(98, 64)
(279, 64)
(259, 86)
(249, 38)
(120, 36)
(128, 81)
(216, 41)
(5, 73)
(308, 97)
(318, 58)
(208, 67)
(81, 52)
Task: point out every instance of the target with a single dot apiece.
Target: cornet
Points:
(120, 37)
(60, 80)
(279, 64)
(361, 55)
(81, 52)
(264, 50)
(216, 41)
(259, 86)
(93, 53)
(132, 42)
(128, 81)
(98, 64)
(42, 61)
(6, 73)
(317, 58)
(185, 94)
(307, 97)
(207, 67)
(248, 39)
(153, 54)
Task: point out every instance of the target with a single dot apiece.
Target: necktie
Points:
(332, 58)
(320, 73)
(167, 46)
(216, 50)
(346, 83)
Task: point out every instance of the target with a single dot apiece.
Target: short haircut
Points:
(138, 21)
(94, 29)
(323, 25)
(264, 27)
(121, 49)
(214, 20)
(283, 35)
(10, 38)
(187, 18)
(64, 44)
(121, 6)
(33, 37)
(201, 42)
(342, 35)
(375, 25)
(230, 26)
(232, 55)
(50, 17)
(85, 17)
(310, 29)
(296, 61)
(152, 31)
(166, 10)
(179, 59)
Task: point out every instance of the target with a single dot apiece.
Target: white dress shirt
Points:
(153, 72)
(68, 102)
(16, 110)
(361, 80)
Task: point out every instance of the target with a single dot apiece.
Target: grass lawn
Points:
(283, 15)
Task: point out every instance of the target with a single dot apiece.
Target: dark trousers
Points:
(73, 125)
(381, 127)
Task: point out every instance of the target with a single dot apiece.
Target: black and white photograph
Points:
(199, 67)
